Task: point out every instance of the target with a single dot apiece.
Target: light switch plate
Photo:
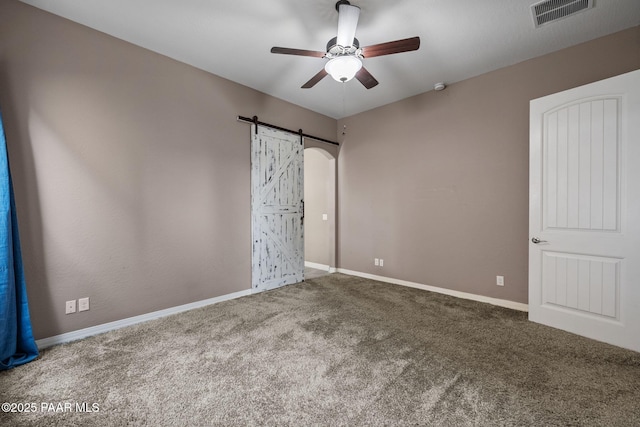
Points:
(83, 304)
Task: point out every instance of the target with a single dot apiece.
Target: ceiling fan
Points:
(344, 52)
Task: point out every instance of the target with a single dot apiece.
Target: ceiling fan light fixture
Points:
(344, 53)
(343, 68)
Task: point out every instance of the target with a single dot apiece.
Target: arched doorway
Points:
(320, 211)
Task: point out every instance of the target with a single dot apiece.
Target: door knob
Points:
(536, 240)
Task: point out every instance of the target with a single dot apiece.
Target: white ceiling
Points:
(459, 39)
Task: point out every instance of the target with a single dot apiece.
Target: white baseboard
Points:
(111, 326)
(317, 266)
(494, 301)
(118, 324)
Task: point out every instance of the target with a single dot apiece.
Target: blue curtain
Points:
(17, 345)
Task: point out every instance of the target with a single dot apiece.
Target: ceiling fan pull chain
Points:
(344, 99)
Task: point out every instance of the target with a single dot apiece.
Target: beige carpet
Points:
(336, 350)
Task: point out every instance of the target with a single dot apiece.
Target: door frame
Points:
(332, 202)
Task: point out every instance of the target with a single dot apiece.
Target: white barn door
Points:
(584, 229)
(277, 208)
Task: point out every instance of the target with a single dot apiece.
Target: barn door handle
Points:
(536, 240)
(302, 219)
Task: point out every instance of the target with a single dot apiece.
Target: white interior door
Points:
(277, 192)
(584, 252)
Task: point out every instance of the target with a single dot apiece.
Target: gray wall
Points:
(317, 182)
(437, 184)
(130, 169)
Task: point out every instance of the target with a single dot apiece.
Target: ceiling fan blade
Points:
(366, 78)
(315, 79)
(347, 22)
(299, 52)
(388, 48)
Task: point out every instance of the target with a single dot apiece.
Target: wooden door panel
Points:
(277, 194)
(582, 174)
(589, 284)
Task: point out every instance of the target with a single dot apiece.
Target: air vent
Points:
(552, 10)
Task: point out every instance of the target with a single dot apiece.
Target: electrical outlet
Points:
(70, 307)
(376, 261)
(325, 217)
(83, 304)
(381, 262)
(500, 280)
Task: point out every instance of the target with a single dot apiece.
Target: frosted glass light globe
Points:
(343, 68)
